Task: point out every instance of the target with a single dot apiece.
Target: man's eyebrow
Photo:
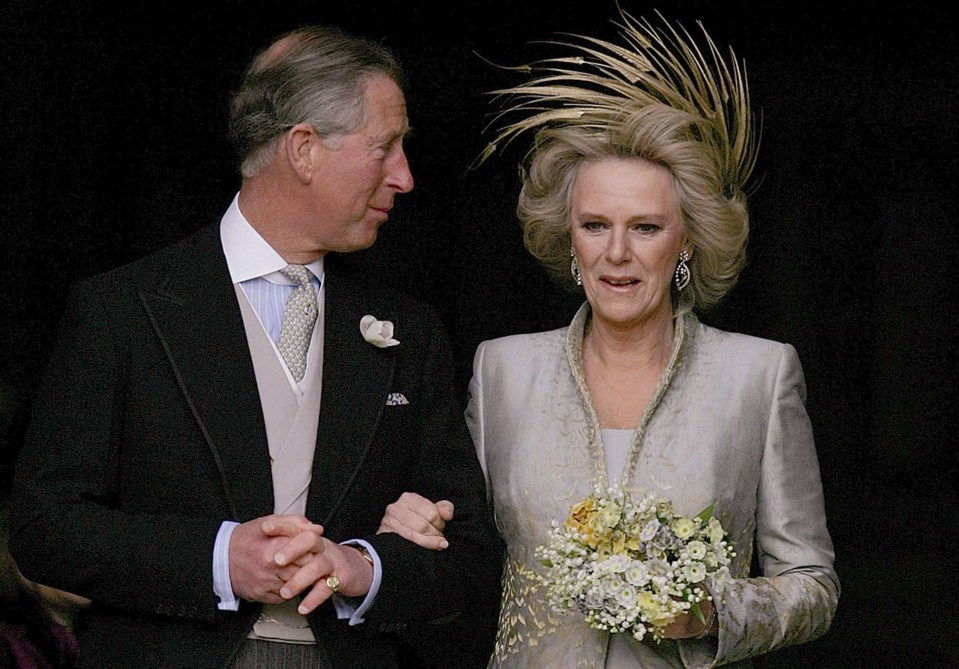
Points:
(392, 138)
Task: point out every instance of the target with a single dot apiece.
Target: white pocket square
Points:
(394, 399)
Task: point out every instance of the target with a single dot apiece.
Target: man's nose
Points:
(399, 176)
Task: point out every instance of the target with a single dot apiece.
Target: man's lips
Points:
(383, 212)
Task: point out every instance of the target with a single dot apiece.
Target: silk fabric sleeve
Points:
(795, 598)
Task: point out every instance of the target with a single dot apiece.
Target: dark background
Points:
(113, 145)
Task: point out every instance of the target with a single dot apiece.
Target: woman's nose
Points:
(617, 248)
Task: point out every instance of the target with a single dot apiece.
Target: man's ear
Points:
(301, 143)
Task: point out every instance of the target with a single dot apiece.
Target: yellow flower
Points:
(581, 515)
(612, 543)
(653, 611)
(598, 536)
(609, 516)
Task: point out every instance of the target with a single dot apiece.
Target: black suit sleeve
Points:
(446, 601)
(70, 529)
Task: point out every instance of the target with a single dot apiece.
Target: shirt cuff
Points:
(346, 607)
(222, 585)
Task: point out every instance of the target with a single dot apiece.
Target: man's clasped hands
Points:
(277, 557)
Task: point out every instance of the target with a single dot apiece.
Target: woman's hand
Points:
(419, 520)
(688, 625)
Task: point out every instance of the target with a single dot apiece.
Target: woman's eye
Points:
(647, 228)
(592, 225)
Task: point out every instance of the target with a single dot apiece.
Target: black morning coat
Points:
(147, 432)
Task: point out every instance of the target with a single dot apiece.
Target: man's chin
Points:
(359, 243)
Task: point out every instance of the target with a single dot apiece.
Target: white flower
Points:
(613, 585)
(630, 564)
(657, 567)
(614, 564)
(697, 550)
(627, 597)
(683, 527)
(637, 574)
(595, 596)
(695, 572)
(378, 333)
(649, 531)
(715, 531)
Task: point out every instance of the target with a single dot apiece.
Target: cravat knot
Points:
(297, 273)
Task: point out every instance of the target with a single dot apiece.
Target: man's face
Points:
(355, 182)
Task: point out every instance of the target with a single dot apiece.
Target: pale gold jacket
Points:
(726, 424)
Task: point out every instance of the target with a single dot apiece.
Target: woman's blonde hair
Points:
(660, 99)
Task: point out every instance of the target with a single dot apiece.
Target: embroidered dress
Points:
(726, 423)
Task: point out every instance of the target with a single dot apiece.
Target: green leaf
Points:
(706, 513)
(698, 612)
(546, 562)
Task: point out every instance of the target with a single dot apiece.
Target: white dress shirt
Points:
(255, 266)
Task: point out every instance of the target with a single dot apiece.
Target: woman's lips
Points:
(623, 283)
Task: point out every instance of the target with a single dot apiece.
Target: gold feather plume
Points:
(593, 88)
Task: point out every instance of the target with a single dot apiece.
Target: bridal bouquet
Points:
(631, 565)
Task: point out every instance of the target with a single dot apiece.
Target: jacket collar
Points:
(684, 325)
(196, 317)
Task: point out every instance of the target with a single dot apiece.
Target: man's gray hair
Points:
(315, 75)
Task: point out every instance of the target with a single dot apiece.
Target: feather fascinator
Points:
(600, 83)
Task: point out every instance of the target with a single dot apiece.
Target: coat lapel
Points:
(356, 379)
(197, 319)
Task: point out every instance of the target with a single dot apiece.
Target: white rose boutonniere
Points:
(378, 333)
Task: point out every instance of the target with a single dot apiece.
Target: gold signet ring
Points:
(333, 583)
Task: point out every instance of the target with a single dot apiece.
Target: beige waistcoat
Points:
(291, 416)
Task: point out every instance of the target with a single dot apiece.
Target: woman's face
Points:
(627, 232)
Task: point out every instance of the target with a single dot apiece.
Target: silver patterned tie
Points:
(299, 315)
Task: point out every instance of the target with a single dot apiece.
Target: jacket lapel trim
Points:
(196, 317)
